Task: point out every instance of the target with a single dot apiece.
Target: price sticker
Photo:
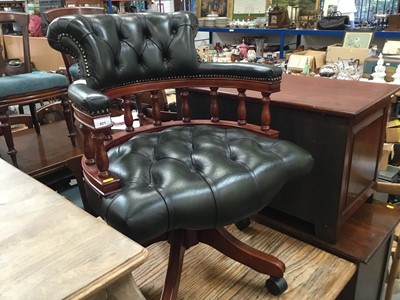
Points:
(102, 122)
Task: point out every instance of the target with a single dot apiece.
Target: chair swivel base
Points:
(227, 244)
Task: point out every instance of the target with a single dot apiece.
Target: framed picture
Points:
(329, 6)
(223, 8)
(357, 39)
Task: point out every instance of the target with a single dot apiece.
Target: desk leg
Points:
(123, 289)
(75, 166)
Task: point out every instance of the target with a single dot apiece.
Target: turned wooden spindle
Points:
(138, 100)
(128, 119)
(265, 113)
(88, 146)
(185, 105)
(156, 107)
(102, 161)
(214, 109)
(241, 110)
(107, 134)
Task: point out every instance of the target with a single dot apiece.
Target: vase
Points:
(259, 47)
(251, 53)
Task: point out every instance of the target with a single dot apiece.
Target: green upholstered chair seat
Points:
(30, 82)
(74, 71)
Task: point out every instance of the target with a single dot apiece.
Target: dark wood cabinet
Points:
(342, 124)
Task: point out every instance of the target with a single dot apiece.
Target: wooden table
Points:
(52, 249)
(342, 124)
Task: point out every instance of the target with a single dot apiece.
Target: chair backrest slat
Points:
(21, 19)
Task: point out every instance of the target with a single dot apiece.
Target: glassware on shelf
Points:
(259, 46)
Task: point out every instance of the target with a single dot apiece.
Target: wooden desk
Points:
(342, 124)
(51, 249)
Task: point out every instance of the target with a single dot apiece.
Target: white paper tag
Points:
(102, 122)
(80, 81)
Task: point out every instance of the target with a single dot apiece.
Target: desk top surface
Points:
(50, 248)
(335, 97)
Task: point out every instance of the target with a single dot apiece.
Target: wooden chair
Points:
(29, 88)
(182, 180)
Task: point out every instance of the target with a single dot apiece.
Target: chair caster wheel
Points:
(242, 224)
(276, 286)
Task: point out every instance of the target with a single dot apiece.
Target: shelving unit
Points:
(282, 33)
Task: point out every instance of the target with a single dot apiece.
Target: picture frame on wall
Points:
(223, 8)
(330, 6)
(357, 39)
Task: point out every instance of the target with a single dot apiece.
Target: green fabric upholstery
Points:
(30, 82)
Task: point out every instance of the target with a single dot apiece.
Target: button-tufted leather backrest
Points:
(129, 48)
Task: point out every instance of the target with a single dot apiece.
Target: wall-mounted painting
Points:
(223, 8)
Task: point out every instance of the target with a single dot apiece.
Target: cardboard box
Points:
(393, 131)
(389, 62)
(298, 60)
(336, 52)
(391, 47)
(387, 153)
(43, 56)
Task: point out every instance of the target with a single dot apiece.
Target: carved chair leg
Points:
(5, 126)
(226, 243)
(176, 255)
(69, 119)
(32, 109)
